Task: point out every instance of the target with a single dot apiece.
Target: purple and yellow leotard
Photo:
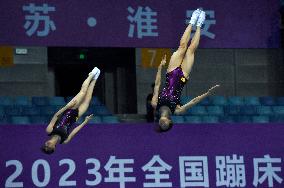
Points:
(170, 95)
(64, 124)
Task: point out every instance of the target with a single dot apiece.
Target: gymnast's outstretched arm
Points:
(158, 83)
(184, 108)
(78, 128)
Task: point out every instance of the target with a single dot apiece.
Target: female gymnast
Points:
(167, 102)
(61, 123)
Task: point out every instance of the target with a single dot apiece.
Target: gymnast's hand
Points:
(212, 89)
(88, 118)
(164, 61)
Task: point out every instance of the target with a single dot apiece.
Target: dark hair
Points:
(47, 150)
(158, 128)
(162, 110)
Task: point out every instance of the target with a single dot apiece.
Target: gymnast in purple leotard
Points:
(60, 126)
(64, 124)
(170, 95)
(167, 102)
